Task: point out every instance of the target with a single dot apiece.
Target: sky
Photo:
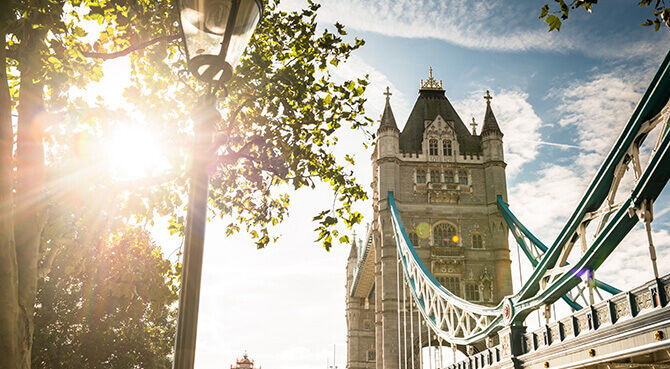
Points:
(560, 99)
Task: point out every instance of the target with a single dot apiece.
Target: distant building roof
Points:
(244, 363)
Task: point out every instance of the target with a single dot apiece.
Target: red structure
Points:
(244, 363)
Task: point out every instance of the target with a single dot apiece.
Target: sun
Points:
(133, 152)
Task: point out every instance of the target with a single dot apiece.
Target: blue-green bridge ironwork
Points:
(495, 336)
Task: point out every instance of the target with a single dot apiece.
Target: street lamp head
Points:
(216, 32)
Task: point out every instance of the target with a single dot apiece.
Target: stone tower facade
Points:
(445, 179)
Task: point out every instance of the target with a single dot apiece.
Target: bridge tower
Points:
(445, 179)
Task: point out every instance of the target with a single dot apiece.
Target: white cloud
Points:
(477, 24)
(283, 304)
(598, 108)
(518, 122)
(543, 204)
(356, 67)
(593, 111)
(630, 264)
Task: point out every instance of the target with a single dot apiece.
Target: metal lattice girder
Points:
(449, 316)
(535, 249)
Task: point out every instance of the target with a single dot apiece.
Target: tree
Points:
(283, 110)
(110, 305)
(555, 18)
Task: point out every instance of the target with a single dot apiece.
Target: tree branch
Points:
(45, 268)
(130, 49)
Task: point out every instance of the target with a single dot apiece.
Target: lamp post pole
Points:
(217, 31)
(204, 121)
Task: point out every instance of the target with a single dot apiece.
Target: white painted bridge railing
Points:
(580, 331)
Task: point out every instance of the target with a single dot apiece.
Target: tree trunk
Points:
(30, 192)
(9, 282)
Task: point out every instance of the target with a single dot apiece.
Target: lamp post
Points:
(215, 33)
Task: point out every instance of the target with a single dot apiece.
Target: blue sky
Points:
(575, 88)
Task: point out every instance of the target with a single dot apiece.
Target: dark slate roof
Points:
(429, 104)
(490, 122)
(388, 120)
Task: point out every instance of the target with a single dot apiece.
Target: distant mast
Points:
(333, 366)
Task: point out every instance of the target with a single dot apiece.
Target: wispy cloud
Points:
(478, 24)
(593, 111)
(518, 121)
(357, 67)
(597, 108)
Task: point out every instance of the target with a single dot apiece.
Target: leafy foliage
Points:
(281, 116)
(281, 110)
(106, 305)
(554, 19)
(660, 11)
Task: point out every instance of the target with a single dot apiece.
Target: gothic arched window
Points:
(477, 241)
(452, 283)
(449, 176)
(462, 177)
(486, 290)
(446, 148)
(443, 235)
(432, 147)
(420, 176)
(413, 238)
(472, 292)
(434, 175)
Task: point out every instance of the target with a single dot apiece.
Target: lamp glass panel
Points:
(247, 18)
(204, 23)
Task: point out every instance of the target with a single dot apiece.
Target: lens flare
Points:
(132, 152)
(423, 230)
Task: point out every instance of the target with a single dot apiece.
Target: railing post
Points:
(511, 342)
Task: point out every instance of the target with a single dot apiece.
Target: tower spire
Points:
(388, 120)
(474, 126)
(490, 122)
(488, 97)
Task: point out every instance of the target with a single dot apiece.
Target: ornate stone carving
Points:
(643, 300)
(505, 345)
(567, 328)
(621, 309)
(443, 196)
(554, 333)
(582, 324)
(431, 83)
(602, 314)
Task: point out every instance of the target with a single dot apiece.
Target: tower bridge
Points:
(434, 269)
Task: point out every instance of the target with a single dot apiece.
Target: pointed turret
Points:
(387, 149)
(387, 134)
(388, 120)
(494, 157)
(353, 253)
(490, 122)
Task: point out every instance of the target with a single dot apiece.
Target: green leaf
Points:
(544, 11)
(554, 22)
